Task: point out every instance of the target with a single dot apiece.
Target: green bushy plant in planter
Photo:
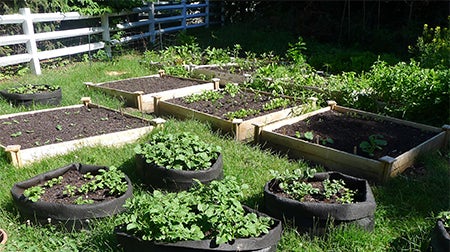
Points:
(440, 236)
(206, 217)
(316, 200)
(172, 161)
(30, 94)
(72, 194)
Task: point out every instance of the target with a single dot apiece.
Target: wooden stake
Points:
(156, 100)
(86, 100)
(216, 83)
(236, 124)
(161, 73)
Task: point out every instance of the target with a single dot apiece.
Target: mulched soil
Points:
(64, 125)
(150, 85)
(242, 100)
(349, 130)
(55, 193)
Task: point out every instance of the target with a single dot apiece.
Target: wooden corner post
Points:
(216, 82)
(236, 128)
(156, 100)
(387, 169)
(13, 153)
(257, 132)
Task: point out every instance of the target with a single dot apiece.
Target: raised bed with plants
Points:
(139, 92)
(352, 141)
(205, 218)
(233, 109)
(314, 201)
(30, 136)
(72, 194)
(30, 94)
(174, 162)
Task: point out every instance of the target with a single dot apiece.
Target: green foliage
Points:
(276, 103)
(232, 89)
(183, 151)
(53, 181)
(295, 52)
(295, 184)
(111, 179)
(241, 113)
(376, 142)
(433, 47)
(210, 211)
(444, 216)
(34, 193)
(33, 88)
(309, 135)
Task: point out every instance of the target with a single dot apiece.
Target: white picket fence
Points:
(185, 15)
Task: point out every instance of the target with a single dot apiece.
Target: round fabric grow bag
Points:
(46, 98)
(71, 215)
(440, 238)
(264, 243)
(176, 180)
(314, 217)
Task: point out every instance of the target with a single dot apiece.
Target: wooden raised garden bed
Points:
(214, 112)
(404, 141)
(228, 73)
(139, 92)
(30, 136)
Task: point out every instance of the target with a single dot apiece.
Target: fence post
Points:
(183, 13)
(28, 30)
(106, 36)
(151, 25)
(207, 13)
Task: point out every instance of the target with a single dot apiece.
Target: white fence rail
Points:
(182, 16)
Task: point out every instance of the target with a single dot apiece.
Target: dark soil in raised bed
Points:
(150, 85)
(242, 100)
(55, 126)
(55, 193)
(349, 130)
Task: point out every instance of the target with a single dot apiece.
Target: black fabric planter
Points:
(440, 238)
(46, 98)
(71, 215)
(176, 180)
(315, 217)
(265, 243)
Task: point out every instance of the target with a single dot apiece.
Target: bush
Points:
(433, 47)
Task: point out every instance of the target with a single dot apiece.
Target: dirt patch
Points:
(55, 126)
(348, 130)
(150, 85)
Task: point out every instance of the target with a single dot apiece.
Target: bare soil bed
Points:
(349, 130)
(242, 100)
(152, 84)
(55, 126)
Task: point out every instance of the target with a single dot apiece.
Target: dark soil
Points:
(55, 193)
(242, 100)
(150, 85)
(349, 130)
(55, 126)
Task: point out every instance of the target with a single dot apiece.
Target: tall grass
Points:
(404, 217)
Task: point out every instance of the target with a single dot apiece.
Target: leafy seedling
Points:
(375, 142)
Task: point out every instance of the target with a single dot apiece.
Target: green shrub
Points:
(433, 47)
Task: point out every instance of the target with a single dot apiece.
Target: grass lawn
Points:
(406, 206)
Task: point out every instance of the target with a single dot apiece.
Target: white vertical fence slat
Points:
(30, 38)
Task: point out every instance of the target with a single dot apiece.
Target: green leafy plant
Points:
(16, 134)
(376, 142)
(295, 184)
(276, 103)
(54, 181)
(70, 190)
(181, 151)
(207, 95)
(34, 193)
(241, 113)
(33, 88)
(444, 216)
(232, 89)
(210, 211)
(309, 135)
(81, 201)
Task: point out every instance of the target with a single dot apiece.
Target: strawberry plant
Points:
(182, 151)
(375, 143)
